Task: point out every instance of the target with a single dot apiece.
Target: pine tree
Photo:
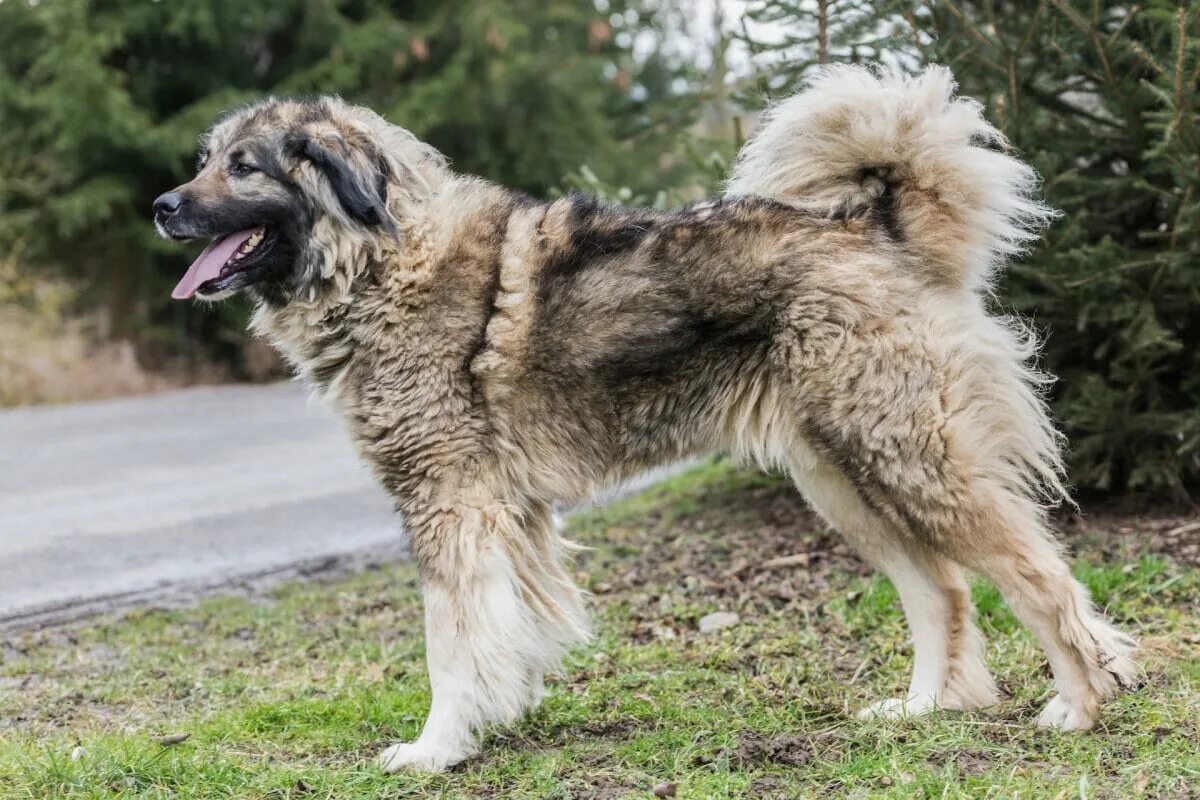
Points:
(1102, 99)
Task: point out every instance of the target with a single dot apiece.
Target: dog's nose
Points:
(167, 204)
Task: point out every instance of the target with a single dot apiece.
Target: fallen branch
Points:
(1182, 529)
(795, 560)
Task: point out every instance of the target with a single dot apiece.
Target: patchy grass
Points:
(290, 696)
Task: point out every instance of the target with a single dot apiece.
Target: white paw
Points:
(418, 757)
(1060, 714)
(899, 707)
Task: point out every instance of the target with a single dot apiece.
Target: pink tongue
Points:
(208, 264)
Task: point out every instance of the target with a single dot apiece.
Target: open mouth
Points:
(224, 263)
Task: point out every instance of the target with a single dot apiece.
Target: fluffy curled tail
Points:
(858, 138)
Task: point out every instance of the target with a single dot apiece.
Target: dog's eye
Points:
(242, 170)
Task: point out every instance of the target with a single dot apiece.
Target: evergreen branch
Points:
(1180, 55)
(962, 56)
(1183, 207)
(1056, 103)
(1146, 58)
(823, 31)
(1074, 16)
(1102, 52)
(1093, 33)
(1094, 77)
(969, 25)
(1133, 11)
(1012, 88)
(1034, 24)
(1128, 266)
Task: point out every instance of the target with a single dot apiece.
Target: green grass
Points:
(291, 695)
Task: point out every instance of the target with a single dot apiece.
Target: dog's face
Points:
(279, 186)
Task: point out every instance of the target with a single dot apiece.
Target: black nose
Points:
(167, 204)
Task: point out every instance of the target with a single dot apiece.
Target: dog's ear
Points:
(362, 193)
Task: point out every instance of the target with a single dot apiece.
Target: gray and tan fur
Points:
(493, 356)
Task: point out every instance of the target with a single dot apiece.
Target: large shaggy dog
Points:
(494, 355)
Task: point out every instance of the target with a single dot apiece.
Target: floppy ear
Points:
(364, 197)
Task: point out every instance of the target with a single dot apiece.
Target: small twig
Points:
(1180, 56)
(795, 560)
(1128, 18)
(859, 670)
(1182, 529)
(740, 566)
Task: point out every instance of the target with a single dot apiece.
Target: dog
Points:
(494, 355)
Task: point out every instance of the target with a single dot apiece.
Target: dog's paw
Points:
(1064, 716)
(417, 757)
(899, 707)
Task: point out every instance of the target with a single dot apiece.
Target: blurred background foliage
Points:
(642, 101)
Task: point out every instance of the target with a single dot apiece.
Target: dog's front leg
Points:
(499, 612)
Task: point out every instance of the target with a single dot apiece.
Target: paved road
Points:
(115, 503)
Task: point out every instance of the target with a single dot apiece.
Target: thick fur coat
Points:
(493, 356)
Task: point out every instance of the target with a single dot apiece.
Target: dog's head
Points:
(292, 193)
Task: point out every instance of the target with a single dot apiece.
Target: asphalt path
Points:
(118, 503)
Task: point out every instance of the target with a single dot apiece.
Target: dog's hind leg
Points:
(950, 454)
(1091, 659)
(500, 611)
(948, 665)
(955, 505)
